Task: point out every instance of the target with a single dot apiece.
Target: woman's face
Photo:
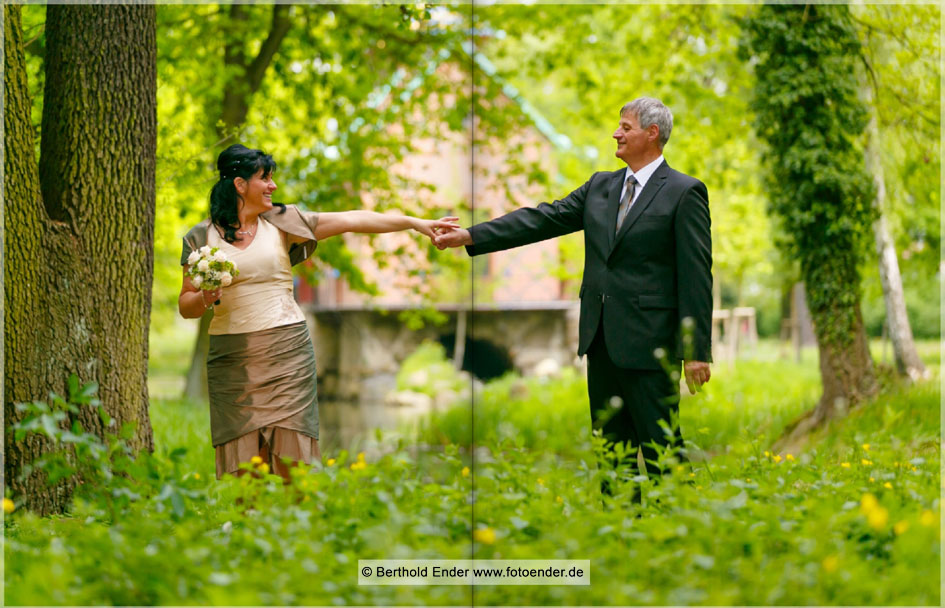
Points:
(256, 192)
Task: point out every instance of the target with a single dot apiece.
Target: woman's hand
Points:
(210, 296)
(193, 302)
(431, 227)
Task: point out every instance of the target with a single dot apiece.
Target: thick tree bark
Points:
(237, 91)
(908, 362)
(79, 252)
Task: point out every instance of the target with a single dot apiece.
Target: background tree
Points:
(901, 85)
(78, 249)
(808, 113)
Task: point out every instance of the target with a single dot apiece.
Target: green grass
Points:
(743, 527)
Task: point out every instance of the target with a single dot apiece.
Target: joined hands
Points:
(451, 236)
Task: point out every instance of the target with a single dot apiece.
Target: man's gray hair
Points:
(650, 111)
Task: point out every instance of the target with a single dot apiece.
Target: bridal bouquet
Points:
(209, 268)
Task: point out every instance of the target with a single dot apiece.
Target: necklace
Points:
(249, 232)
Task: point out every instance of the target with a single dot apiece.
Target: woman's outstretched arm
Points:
(331, 223)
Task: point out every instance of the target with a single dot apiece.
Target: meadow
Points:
(853, 519)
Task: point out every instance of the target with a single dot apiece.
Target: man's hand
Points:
(697, 374)
(452, 237)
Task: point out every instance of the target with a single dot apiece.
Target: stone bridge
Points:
(359, 351)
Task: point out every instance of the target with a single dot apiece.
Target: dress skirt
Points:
(263, 400)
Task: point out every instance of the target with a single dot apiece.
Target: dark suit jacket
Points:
(645, 280)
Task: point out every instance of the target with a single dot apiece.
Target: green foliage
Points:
(808, 112)
(741, 407)
(923, 300)
(900, 50)
(109, 473)
(745, 527)
(428, 371)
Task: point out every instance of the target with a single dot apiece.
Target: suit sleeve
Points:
(531, 224)
(694, 273)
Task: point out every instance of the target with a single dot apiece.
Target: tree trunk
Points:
(907, 358)
(195, 387)
(79, 262)
(237, 91)
(846, 371)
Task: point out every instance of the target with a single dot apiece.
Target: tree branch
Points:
(280, 27)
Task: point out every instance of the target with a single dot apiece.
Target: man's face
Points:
(632, 141)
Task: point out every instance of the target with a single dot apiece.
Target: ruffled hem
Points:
(272, 444)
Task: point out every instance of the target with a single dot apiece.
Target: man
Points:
(647, 288)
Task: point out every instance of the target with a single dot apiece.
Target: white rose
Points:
(197, 280)
(205, 250)
(203, 266)
(193, 257)
(226, 278)
(219, 256)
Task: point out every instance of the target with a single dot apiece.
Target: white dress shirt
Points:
(643, 175)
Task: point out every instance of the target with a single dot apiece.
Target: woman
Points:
(261, 364)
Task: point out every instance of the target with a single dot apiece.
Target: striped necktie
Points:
(626, 201)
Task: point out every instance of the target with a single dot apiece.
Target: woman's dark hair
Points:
(235, 161)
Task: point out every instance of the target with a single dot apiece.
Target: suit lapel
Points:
(643, 201)
(613, 203)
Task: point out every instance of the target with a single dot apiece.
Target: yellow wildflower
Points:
(887, 485)
(196, 475)
(845, 465)
(559, 500)
(866, 462)
(255, 460)
(485, 536)
(872, 479)
(331, 462)
(877, 518)
(692, 474)
(360, 465)
(789, 457)
(541, 481)
(264, 468)
(830, 563)
(914, 469)
(360, 456)
(926, 519)
(866, 447)
(901, 527)
(876, 515)
(465, 471)
(748, 480)
(8, 506)
(777, 458)
(767, 453)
